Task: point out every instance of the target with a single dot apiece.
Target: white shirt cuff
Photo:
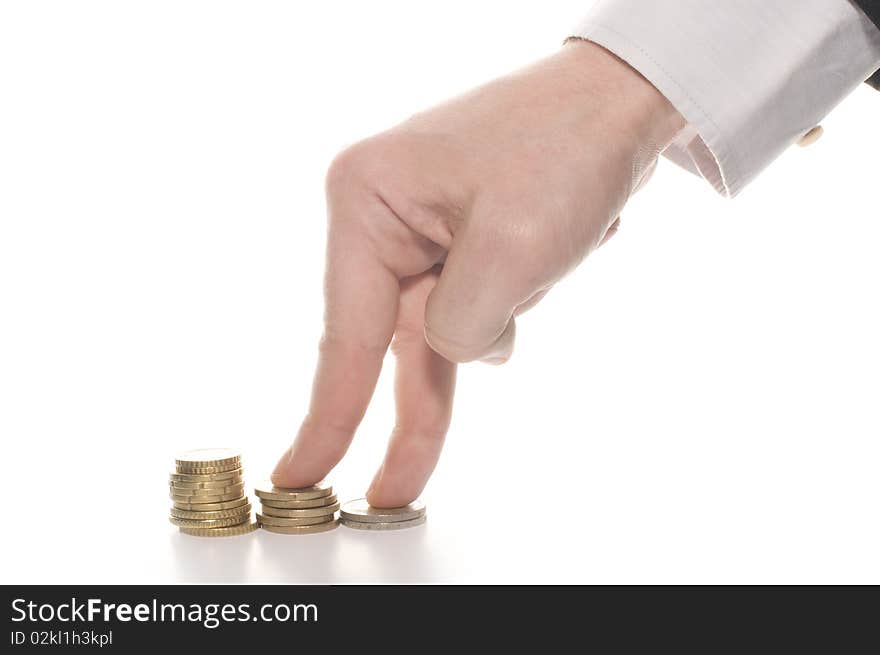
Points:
(749, 76)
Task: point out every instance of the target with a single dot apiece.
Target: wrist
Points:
(628, 100)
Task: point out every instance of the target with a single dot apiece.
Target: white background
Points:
(696, 404)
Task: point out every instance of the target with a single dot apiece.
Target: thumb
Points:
(469, 315)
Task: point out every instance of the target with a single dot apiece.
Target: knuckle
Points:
(406, 337)
(357, 167)
(338, 430)
(354, 346)
(428, 431)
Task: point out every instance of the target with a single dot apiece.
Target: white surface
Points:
(698, 403)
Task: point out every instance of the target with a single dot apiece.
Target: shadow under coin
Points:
(345, 555)
(213, 559)
(298, 559)
(340, 556)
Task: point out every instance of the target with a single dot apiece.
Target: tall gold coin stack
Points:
(297, 511)
(207, 490)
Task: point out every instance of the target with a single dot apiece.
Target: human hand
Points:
(444, 228)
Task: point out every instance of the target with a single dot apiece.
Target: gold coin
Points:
(207, 458)
(211, 514)
(299, 513)
(209, 523)
(301, 529)
(270, 491)
(300, 504)
(231, 531)
(208, 470)
(231, 489)
(201, 500)
(207, 484)
(206, 477)
(282, 522)
(210, 507)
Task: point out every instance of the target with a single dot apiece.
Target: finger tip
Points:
(282, 480)
(371, 498)
(374, 497)
(383, 499)
(294, 479)
(287, 475)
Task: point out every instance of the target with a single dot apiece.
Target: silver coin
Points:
(395, 525)
(299, 513)
(324, 501)
(360, 510)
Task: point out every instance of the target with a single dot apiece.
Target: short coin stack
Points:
(359, 514)
(297, 511)
(207, 490)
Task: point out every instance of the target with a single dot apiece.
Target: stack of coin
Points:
(297, 511)
(359, 514)
(208, 494)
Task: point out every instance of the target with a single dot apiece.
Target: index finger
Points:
(361, 297)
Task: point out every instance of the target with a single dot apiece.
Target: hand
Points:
(445, 228)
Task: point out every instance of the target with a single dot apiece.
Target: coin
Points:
(300, 504)
(226, 486)
(208, 458)
(200, 500)
(282, 522)
(210, 514)
(208, 470)
(206, 484)
(281, 512)
(394, 525)
(270, 491)
(188, 506)
(231, 489)
(361, 510)
(301, 529)
(231, 531)
(206, 477)
(209, 523)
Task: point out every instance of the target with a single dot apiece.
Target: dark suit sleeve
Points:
(872, 11)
